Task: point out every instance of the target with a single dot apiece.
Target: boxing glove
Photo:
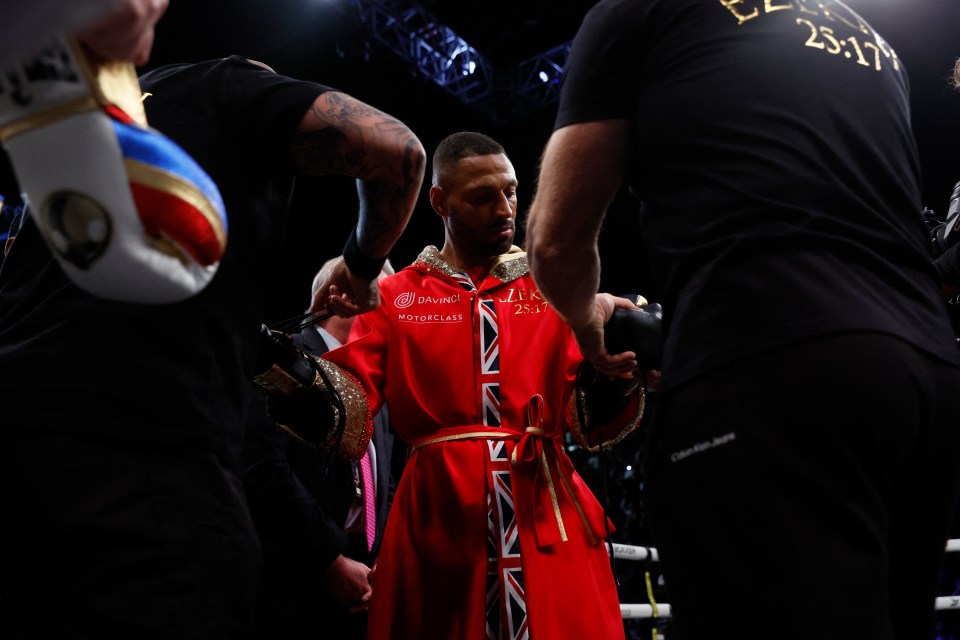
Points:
(126, 212)
(304, 400)
(639, 330)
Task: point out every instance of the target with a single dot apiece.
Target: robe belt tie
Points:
(544, 479)
(471, 433)
(541, 455)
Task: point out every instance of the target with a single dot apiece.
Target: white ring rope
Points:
(645, 611)
(629, 552)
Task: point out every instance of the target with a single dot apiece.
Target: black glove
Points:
(603, 398)
(639, 330)
(299, 399)
(277, 350)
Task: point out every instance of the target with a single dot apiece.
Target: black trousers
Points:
(122, 540)
(807, 492)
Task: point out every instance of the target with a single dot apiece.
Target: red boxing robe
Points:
(490, 526)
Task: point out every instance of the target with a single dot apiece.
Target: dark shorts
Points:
(106, 540)
(807, 492)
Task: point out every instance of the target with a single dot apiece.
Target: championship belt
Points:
(126, 212)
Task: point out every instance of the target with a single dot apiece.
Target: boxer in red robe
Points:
(492, 533)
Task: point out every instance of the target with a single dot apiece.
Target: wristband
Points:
(360, 265)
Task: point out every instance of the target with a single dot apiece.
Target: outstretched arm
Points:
(581, 170)
(342, 135)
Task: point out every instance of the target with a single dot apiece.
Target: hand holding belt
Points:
(554, 483)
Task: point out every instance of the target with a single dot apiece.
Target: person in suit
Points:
(308, 509)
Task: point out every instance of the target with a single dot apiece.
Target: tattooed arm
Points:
(339, 134)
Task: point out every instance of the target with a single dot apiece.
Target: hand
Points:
(652, 379)
(126, 33)
(345, 294)
(348, 582)
(365, 604)
(590, 337)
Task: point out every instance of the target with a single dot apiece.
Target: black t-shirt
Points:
(175, 373)
(774, 154)
(948, 266)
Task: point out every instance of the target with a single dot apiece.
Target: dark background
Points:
(322, 40)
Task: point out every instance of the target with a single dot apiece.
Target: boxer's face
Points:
(478, 201)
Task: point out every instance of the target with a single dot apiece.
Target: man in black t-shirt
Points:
(809, 388)
(124, 512)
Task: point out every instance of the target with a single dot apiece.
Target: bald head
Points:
(326, 272)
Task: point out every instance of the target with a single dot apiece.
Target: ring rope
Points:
(662, 610)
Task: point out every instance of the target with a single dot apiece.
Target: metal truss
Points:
(442, 56)
(536, 81)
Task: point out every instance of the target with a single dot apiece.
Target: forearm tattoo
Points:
(357, 140)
